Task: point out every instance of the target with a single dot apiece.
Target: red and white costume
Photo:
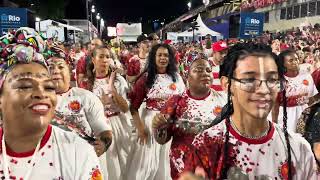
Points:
(264, 158)
(82, 112)
(62, 156)
(151, 161)
(117, 154)
(136, 66)
(216, 84)
(298, 91)
(192, 115)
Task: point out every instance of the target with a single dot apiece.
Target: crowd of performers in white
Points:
(158, 111)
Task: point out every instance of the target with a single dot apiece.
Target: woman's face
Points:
(162, 58)
(200, 76)
(28, 98)
(258, 101)
(60, 73)
(291, 62)
(102, 59)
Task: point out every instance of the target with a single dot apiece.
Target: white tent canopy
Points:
(203, 30)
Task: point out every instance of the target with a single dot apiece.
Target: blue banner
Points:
(251, 25)
(12, 18)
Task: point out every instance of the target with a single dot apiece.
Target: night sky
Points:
(145, 11)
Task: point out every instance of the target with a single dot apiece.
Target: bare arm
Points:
(142, 133)
(316, 150)
(119, 100)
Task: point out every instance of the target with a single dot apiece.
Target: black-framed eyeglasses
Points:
(251, 84)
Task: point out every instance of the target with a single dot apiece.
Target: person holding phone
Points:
(105, 82)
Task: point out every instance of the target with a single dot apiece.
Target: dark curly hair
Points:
(235, 54)
(152, 67)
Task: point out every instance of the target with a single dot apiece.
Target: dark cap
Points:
(141, 38)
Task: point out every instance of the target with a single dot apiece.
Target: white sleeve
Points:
(122, 87)
(310, 164)
(314, 90)
(182, 86)
(95, 114)
(87, 162)
(306, 165)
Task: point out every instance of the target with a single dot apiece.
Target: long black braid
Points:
(286, 135)
(240, 51)
(225, 167)
(285, 117)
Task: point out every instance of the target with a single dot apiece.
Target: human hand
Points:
(99, 147)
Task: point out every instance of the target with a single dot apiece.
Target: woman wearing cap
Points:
(244, 144)
(32, 148)
(183, 117)
(150, 160)
(78, 110)
(105, 82)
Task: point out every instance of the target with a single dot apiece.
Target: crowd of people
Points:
(231, 109)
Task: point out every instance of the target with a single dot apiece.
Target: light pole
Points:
(101, 26)
(87, 15)
(38, 22)
(93, 10)
(98, 18)
(189, 5)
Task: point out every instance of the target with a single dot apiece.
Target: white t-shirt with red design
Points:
(298, 91)
(80, 111)
(62, 156)
(205, 109)
(264, 157)
(162, 89)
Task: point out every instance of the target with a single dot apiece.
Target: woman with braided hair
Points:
(244, 144)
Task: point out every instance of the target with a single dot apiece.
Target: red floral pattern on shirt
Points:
(134, 66)
(284, 170)
(180, 107)
(96, 174)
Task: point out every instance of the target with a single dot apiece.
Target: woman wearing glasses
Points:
(32, 148)
(245, 145)
(183, 117)
(299, 88)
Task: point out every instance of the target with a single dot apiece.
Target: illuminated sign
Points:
(255, 4)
